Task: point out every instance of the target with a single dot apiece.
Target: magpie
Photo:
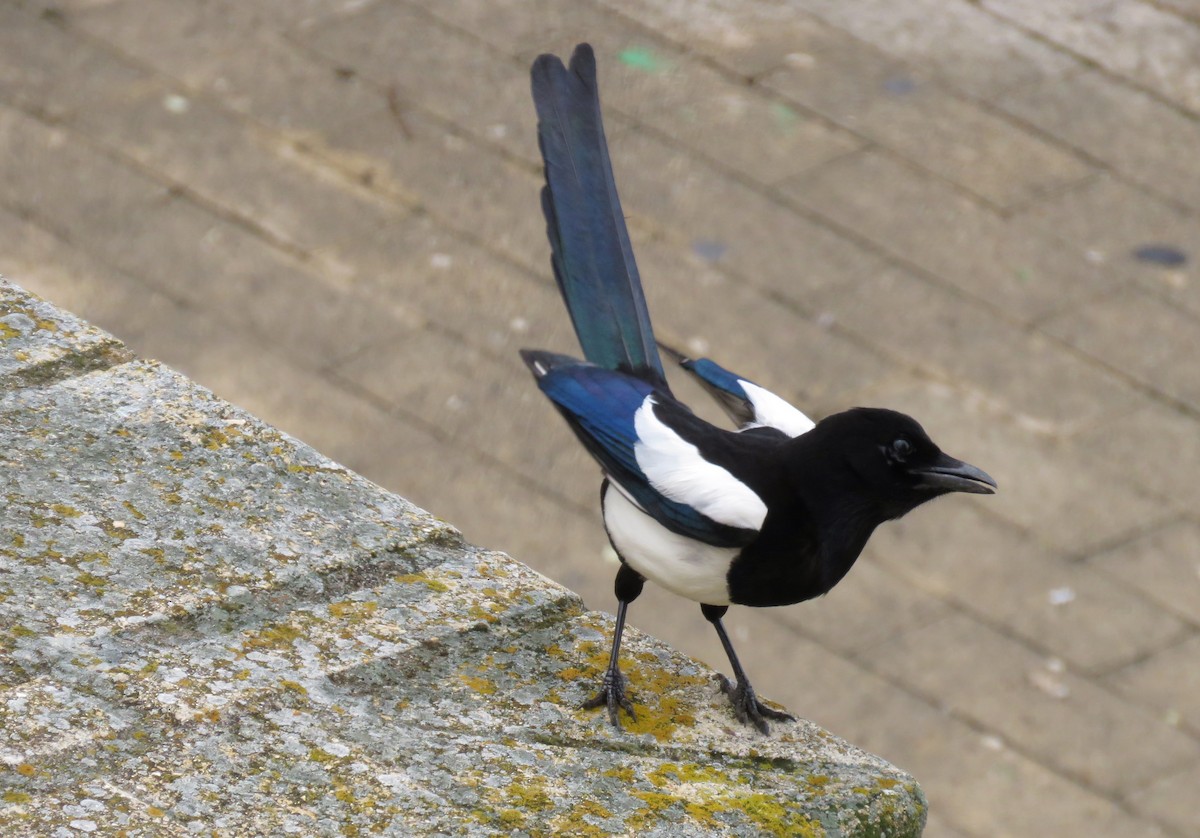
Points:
(773, 513)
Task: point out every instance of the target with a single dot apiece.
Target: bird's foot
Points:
(612, 695)
(747, 707)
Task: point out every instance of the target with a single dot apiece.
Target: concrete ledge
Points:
(206, 626)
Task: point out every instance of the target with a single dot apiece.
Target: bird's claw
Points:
(747, 707)
(612, 695)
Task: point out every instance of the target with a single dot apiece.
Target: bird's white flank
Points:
(676, 469)
(682, 565)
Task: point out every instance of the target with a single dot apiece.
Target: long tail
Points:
(590, 249)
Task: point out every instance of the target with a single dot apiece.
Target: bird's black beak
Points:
(950, 475)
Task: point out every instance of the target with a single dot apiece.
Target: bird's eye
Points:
(901, 448)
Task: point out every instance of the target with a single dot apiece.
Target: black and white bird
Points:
(773, 513)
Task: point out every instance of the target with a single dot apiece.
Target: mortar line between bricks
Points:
(1174, 11)
(1186, 635)
(731, 75)
(964, 609)
(1124, 539)
(328, 164)
(415, 421)
(855, 659)
(1009, 23)
(174, 188)
(47, 226)
(754, 80)
(998, 110)
(867, 46)
(1093, 64)
(780, 199)
(1145, 388)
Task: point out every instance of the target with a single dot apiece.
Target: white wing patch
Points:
(773, 412)
(680, 564)
(678, 472)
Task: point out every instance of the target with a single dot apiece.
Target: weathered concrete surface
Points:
(327, 212)
(206, 625)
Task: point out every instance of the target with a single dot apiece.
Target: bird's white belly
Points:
(681, 565)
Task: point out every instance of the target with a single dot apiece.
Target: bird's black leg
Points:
(746, 706)
(628, 586)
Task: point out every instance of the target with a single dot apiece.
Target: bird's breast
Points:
(680, 564)
(789, 562)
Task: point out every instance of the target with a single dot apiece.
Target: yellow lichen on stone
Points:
(421, 578)
(479, 684)
(351, 610)
(278, 636)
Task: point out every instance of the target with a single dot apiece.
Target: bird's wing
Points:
(748, 404)
(590, 250)
(618, 418)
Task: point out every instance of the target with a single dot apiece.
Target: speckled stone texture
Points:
(207, 627)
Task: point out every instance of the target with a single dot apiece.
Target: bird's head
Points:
(893, 462)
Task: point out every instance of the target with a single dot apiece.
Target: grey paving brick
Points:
(1187, 8)
(930, 660)
(963, 44)
(177, 247)
(1125, 128)
(748, 39)
(736, 226)
(1167, 682)
(1114, 220)
(1145, 447)
(466, 186)
(1063, 720)
(1030, 377)
(703, 311)
(962, 766)
(1021, 269)
(1118, 36)
(661, 85)
(1169, 800)
(198, 44)
(1141, 336)
(249, 172)
(1163, 564)
(931, 126)
(437, 379)
(1009, 579)
(442, 70)
(718, 117)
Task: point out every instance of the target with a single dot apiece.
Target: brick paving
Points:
(326, 211)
